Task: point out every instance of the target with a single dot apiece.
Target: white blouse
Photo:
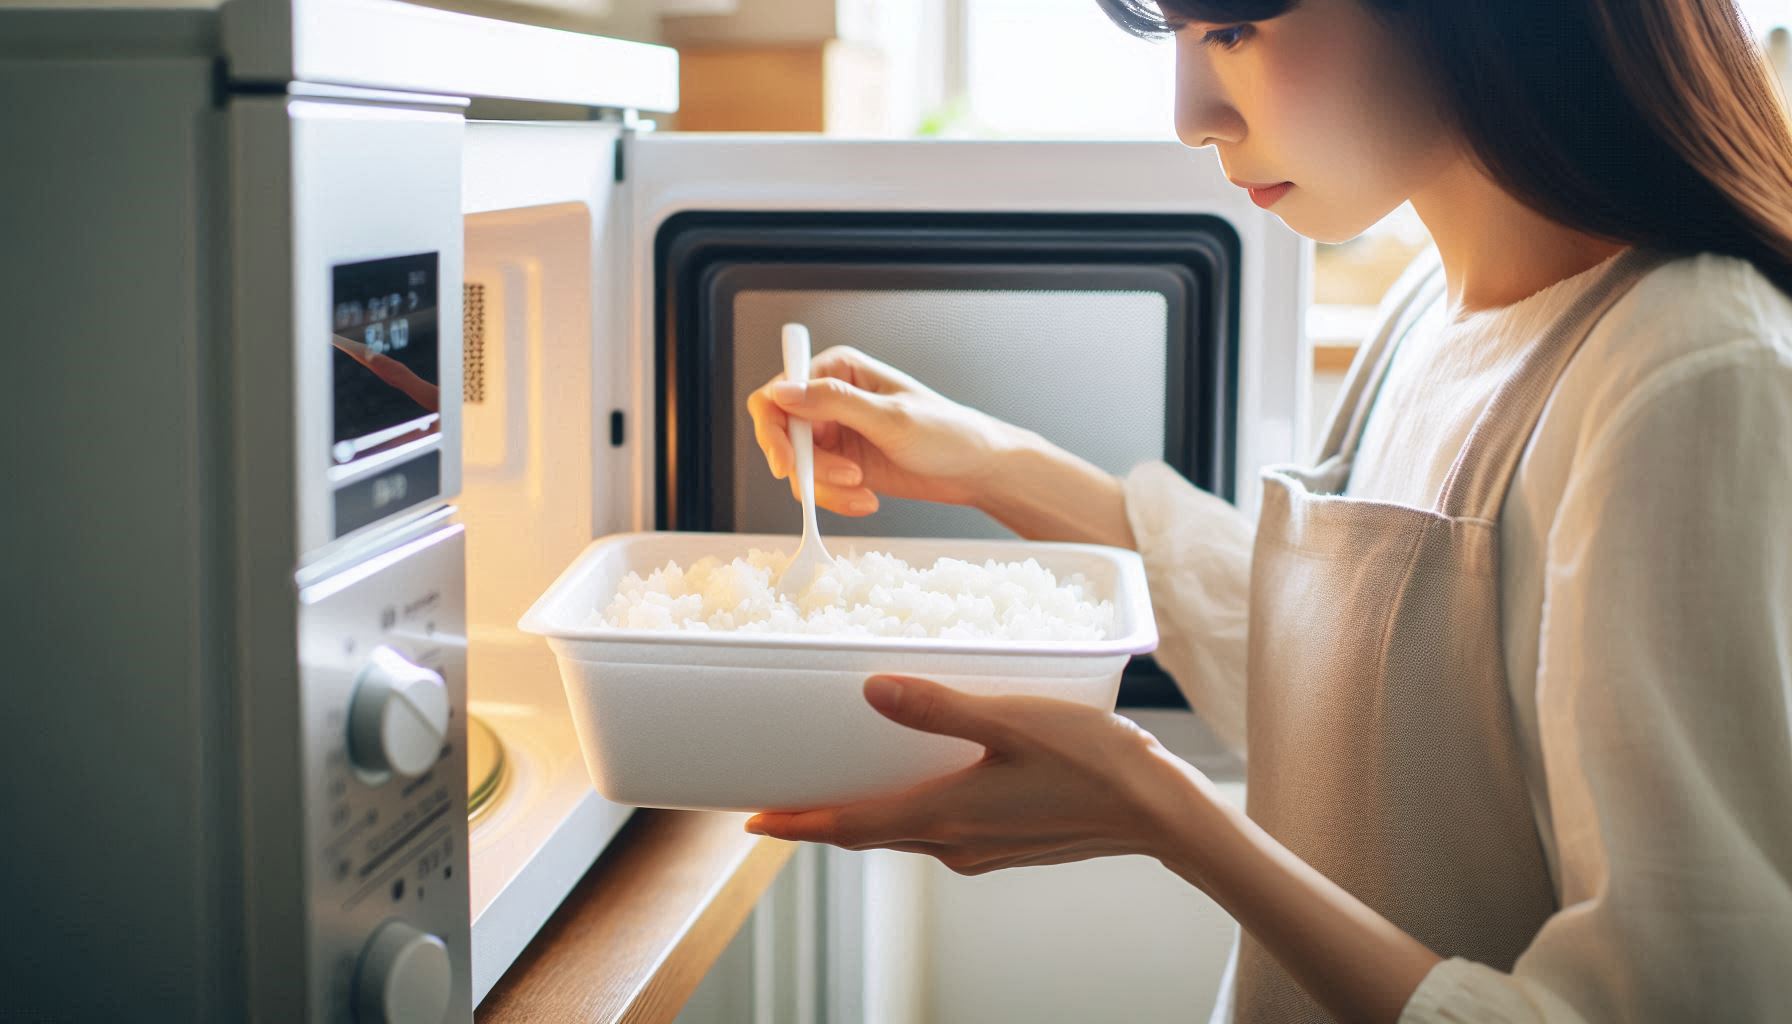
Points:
(1647, 602)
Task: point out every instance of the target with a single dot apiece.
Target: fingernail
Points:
(884, 693)
(863, 505)
(848, 477)
(789, 391)
(755, 827)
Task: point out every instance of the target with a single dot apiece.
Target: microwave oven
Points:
(325, 381)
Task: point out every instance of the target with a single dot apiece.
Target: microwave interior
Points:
(1008, 313)
(611, 336)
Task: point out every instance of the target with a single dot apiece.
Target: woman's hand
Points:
(1058, 782)
(877, 431)
(1061, 782)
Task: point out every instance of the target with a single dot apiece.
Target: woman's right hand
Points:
(877, 431)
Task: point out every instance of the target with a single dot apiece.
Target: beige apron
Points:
(1379, 721)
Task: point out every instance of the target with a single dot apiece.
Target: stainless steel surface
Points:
(123, 840)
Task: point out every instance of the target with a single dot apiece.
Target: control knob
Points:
(405, 977)
(398, 720)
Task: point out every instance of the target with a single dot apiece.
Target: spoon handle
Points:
(802, 439)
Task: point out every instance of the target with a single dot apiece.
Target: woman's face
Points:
(1323, 104)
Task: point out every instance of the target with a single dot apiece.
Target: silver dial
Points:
(405, 977)
(398, 720)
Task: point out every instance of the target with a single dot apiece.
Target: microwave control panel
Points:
(385, 388)
(373, 285)
(384, 674)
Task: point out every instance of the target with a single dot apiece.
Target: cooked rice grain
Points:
(865, 595)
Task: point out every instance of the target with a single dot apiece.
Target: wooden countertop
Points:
(639, 931)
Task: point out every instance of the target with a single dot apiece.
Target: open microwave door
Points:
(623, 292)
(1122, 299)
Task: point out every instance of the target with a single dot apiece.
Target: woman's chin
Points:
(1329, 225)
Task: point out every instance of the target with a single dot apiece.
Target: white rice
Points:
(865, 595)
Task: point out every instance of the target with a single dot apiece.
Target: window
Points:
(1060, 68)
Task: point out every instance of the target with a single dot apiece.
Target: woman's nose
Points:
(1211, 125)
(1204, 111)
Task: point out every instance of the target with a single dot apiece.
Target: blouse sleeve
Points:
(1664, 684)
(1197, 553)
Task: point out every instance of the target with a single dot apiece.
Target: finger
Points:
(850, 501)
(926, 705)
(830, 399)
(799, 827)
(847, 363)
(771, 428)
(858, 826)
(925, 849)
(835, 470)
(915, 846)
(863, 370)
(846, 501)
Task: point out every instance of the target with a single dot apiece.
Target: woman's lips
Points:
(1266, 195)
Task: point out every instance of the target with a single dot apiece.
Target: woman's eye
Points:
(1227, 38)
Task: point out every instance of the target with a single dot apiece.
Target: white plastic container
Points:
(741, 721)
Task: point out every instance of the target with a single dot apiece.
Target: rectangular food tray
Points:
(743, 721)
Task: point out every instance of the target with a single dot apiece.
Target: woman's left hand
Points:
(1058, 782)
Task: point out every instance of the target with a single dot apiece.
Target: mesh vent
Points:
(473, 342)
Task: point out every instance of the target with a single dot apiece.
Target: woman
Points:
(1514, 688)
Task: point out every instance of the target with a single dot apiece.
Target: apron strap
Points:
(1370, 368)
(1478, 480)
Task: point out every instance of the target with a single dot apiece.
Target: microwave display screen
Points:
(384, 355)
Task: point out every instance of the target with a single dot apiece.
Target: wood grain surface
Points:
(638, 932)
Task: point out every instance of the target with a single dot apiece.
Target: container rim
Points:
(1131, 598)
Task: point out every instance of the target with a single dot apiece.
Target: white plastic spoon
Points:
(811, 557)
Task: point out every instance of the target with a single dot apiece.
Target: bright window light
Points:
(1060, 68)
(1765, 15)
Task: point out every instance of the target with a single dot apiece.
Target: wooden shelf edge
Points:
(636, 935)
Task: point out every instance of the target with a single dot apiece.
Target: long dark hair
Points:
(1646, 122)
